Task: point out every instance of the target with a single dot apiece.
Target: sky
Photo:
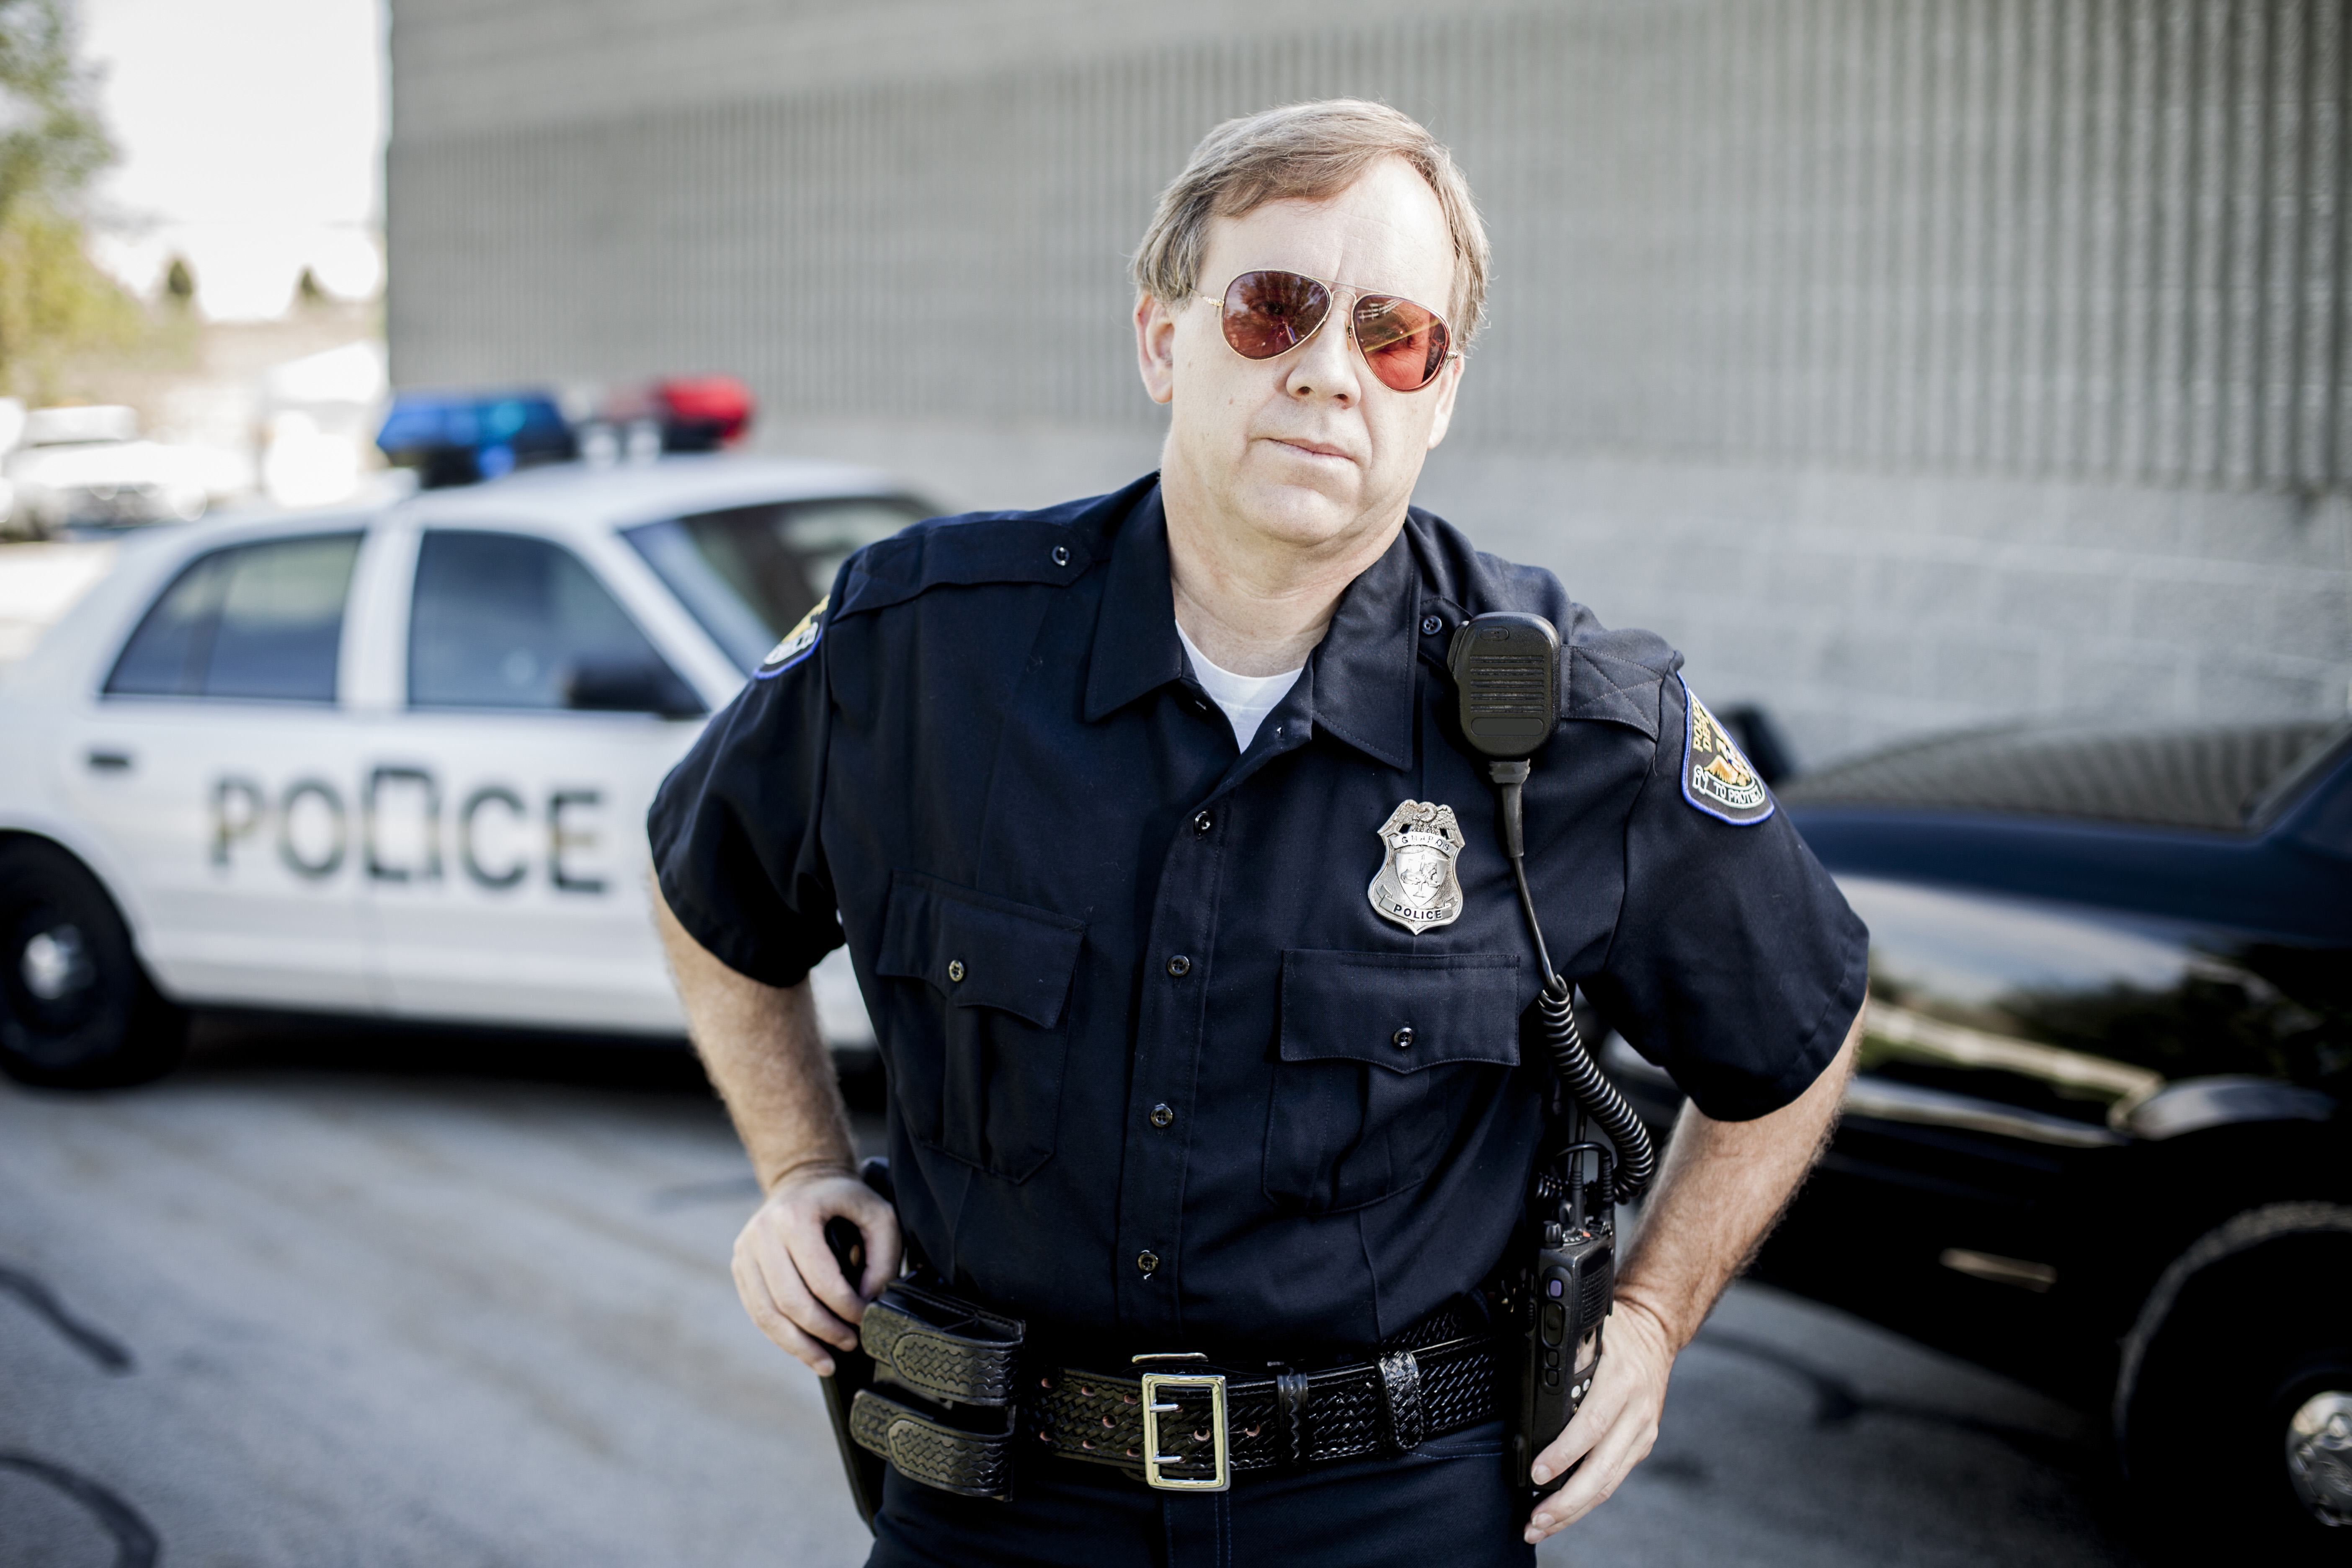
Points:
(251, 135)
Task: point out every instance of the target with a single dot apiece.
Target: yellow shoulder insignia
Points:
(1717, 779)
(797, 642)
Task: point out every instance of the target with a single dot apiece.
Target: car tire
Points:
(2233, 1409)
(77, 1011)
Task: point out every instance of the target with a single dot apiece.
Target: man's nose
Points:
(1327, 366)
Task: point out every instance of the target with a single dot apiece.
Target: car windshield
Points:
(750, 573)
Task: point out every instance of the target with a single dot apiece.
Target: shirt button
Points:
(1430, 625)
(1402, 1038)
(1203, 822)
(1061, 555)
(1161, 1115)
(1180, 966)
(1146, 1261)
(955, 969)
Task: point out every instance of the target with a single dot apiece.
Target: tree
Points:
(50, 139)
(53, 301)
(179, 283)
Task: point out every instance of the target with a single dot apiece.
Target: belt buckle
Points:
(1156, 1384)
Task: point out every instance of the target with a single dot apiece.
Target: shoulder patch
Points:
(796, 644)
(1717, 779)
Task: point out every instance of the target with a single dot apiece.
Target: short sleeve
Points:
(1737, 964)
(734, 828)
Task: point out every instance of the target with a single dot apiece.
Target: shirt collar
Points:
(1135, 648)
(1359, 684)
(1365, 670)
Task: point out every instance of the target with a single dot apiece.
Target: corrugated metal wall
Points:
(2080, 238)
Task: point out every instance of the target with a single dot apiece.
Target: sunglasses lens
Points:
(1270, 313)
(1404, 343)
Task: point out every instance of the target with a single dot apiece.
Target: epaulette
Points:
(1613, 676)
(1606, 677)
(1055, 545)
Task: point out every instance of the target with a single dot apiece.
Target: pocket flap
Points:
(979, 951)
(1402, 1011)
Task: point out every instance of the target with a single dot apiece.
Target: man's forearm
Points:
(767, 1058)
(1721, 1187)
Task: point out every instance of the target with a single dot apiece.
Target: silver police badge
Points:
(1416, 887)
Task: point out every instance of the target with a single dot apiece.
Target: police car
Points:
(394, 760)
(2101, 1133)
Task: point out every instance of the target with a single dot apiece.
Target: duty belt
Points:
(1172, 1419)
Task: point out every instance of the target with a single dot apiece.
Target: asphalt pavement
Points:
(329, 1297)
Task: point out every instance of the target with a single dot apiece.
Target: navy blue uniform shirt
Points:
(1159, 1071)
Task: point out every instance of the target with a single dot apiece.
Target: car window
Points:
(748, 572)
(502, 620)
(254, 620)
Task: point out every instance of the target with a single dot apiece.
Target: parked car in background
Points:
(392, 760)
(86, 468)
(2099, 1135)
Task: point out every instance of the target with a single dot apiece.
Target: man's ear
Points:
(1155, 347)
(1449, 382)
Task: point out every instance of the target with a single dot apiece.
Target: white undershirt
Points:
(1246, 698)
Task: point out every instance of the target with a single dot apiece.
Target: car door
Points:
(504, 800)
(217, 761)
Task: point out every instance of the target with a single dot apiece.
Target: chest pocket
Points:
(1384, 1058)
(976, 1022)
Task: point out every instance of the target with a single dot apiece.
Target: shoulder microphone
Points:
(1507, 678)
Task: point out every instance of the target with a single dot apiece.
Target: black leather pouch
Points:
(940, 1406)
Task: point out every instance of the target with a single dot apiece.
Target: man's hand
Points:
(1720, 1189)
(786, 1273)
(1615, 1425)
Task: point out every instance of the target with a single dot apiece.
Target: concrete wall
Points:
(1858, 606)
(1909, 363)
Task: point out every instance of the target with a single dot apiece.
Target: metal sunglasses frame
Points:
(1334, 290)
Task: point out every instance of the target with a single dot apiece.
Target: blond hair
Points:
(1306, 151)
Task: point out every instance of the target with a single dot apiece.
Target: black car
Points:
(2099, 1139)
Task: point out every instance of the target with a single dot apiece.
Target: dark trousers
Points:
(1447, 1503)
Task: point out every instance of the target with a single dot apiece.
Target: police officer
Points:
(1178, 905)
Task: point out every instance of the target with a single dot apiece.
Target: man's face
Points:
(1308, 448)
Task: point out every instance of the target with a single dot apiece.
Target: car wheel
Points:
(2233, 1411)
(76, 1009)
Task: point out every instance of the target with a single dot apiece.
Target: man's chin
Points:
(1303, 515)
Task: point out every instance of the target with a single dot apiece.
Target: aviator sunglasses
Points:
(1265, 314)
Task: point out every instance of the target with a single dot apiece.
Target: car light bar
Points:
(461, 438)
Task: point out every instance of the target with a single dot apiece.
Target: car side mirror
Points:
(630, 686)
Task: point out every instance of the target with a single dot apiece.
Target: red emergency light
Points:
(702, 413)
(670, 413)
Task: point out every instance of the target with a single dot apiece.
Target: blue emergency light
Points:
(459, 438)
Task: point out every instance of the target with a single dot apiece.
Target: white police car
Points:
(393, 762)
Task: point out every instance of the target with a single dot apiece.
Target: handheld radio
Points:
(1558, 1291)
